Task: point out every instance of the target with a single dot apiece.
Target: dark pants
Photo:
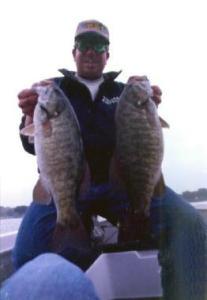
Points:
(180, 231)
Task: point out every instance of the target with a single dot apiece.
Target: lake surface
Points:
(8, 231)
(12, 224)
(9, 225)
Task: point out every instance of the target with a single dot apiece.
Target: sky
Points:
(162, 39)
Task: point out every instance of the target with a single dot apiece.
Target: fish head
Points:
(51, 101)
(140, 93)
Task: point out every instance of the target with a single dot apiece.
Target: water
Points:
(8, 231)
(9, 225)
(9, 228)
(12, 224)
(202, 207)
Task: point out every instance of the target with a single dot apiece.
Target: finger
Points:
(156, 90)
(134, 79)
(27, 105)
(29, 111)
(157, 99)
(29, 101)
(26, 93)
(157, 94)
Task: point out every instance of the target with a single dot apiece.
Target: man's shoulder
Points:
(65, 74)
(112, 76)
(109, 77)
(68, 78)
(111, 82)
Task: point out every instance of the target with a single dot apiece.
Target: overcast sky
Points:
(163, 39)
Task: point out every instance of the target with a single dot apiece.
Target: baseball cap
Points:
(92, 26)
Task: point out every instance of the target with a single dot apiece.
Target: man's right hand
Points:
(27, 101)
(28, 98)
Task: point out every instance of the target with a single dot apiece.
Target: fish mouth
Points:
(43, 108)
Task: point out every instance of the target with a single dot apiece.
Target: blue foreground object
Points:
(178, 228)
(48, 276)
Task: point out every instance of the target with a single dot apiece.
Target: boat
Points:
(122, 270)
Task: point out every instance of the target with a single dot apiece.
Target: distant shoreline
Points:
(12, 212)
(19, 211)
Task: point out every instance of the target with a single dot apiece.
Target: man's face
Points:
(90, 55)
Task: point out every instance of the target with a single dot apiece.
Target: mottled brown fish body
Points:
(59, 150)
(139, 145)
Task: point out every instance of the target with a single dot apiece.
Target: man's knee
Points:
(34, 234)
(55, 274)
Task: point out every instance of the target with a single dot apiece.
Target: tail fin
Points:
(64, 237)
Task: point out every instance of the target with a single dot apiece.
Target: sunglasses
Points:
(84, 45)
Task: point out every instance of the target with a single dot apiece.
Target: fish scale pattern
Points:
(139, 146)
(59, 152)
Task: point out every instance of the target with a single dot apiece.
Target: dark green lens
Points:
(81, 46)
(85, 45)
(100, 47)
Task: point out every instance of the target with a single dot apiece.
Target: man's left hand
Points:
(157, 94)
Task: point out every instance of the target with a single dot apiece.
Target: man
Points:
(177, 227)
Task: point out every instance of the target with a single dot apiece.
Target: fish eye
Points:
(142, 102)
(46, 91)
(56, 114)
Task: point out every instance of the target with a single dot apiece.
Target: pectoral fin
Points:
(64, 236)
(28, 130)
(159, 189)
(41, 194)
(164, 124)
(47, 128)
